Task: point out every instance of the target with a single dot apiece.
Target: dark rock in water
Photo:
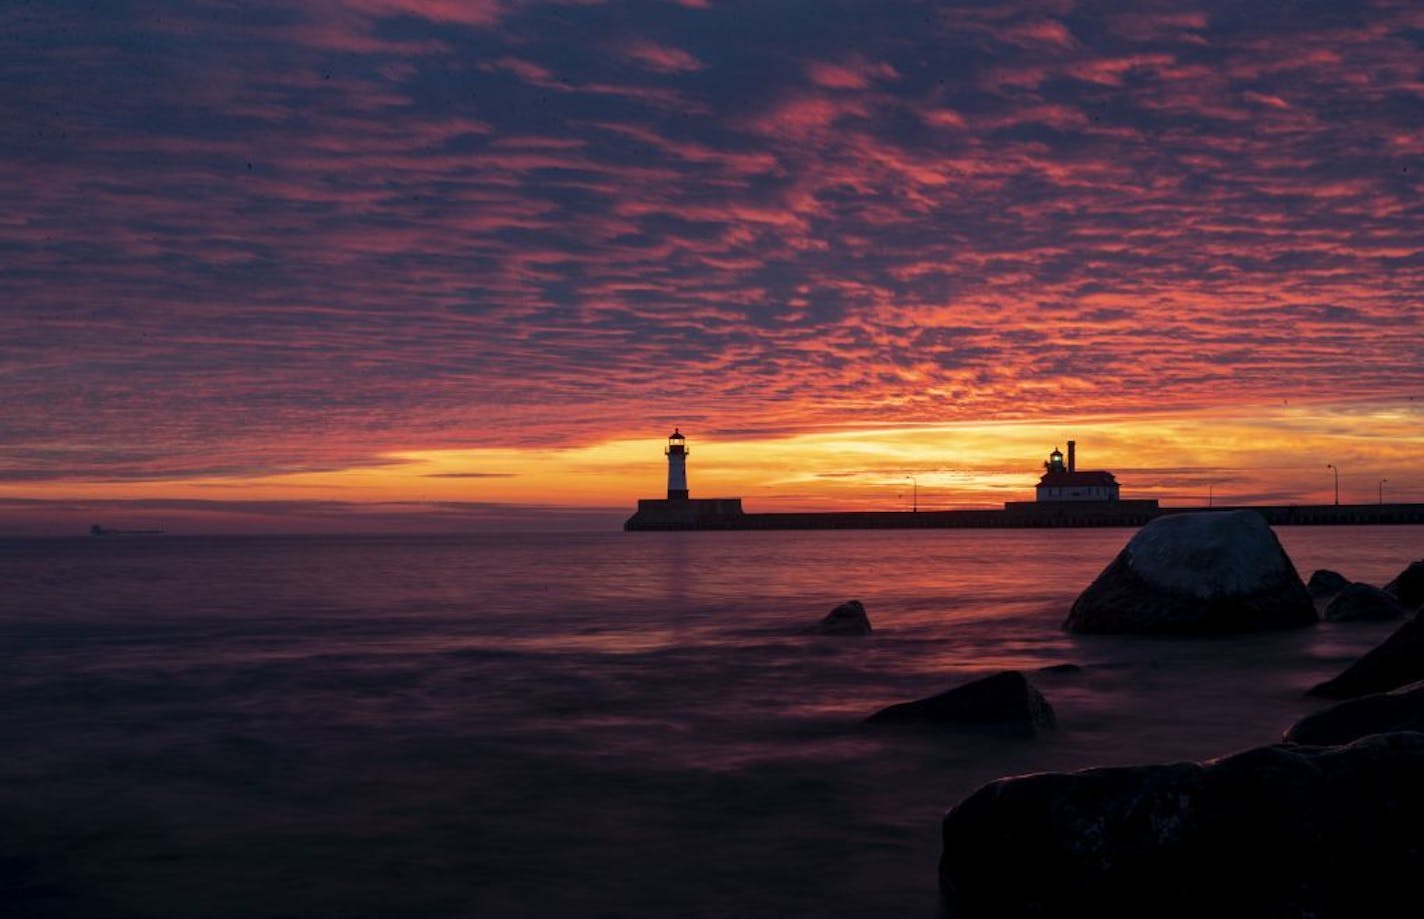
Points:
(1280, 831)
(1408, 587)
(1396, 661)
(1382, 713)
(1359, 602)
(1061, 668)
(1005, 702)
(1324, 585)
(1203, 572)
(847, 619)
(1324, 582)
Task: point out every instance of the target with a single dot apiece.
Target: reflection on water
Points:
(619, 723)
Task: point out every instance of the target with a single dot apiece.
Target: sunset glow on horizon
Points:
(369, 264)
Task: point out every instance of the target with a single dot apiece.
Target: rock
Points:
(1219, 571)
(1381, 713)
(1359, 602)
(1323, 586)
(1283, 831)
(1061, 668)
(1005, 703)
(1395, 662)
(1408, 587)
(847, 619)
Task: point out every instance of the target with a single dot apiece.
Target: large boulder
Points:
(847, 619)
(1003, 703)
(1380, 713)
(1396, 661)
(1221, 571)
(1361, 602)
(1323, 585)
(1408, 587)
(1283, 831)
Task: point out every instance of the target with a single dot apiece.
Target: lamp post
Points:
(1381, 490)
(915, 494)
(1337, 481)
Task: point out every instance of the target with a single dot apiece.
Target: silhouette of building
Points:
(678, 511)
(1062, 482)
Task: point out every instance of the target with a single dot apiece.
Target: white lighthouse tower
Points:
(677, 466)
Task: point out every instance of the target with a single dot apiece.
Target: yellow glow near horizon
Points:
(1273, 455)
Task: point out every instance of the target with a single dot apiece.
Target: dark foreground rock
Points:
(1408, 587)
(1323, 585)
(1380, 713)
(1003, 703)
(1196, 573)
(847, 619)
(1360, 603)
(1272, 832)
(1396, 661)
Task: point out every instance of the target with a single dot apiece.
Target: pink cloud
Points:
(660, 58)
(851, 73)
(528, 71)
(1266, 99)
(801, 114)
(1040, 32)
(1179, 25)
(465, 12)
(942, 118)
(1110, 71)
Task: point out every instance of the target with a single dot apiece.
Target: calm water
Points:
(572, 725)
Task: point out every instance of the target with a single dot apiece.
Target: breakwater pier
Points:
(727, 514)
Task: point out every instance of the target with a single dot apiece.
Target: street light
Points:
(1337, 481)
(915, 493)
(1381, 490)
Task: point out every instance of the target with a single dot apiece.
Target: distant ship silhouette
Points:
(97, 530)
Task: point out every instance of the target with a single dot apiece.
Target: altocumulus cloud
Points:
(282, 236)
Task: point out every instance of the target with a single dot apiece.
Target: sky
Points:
(411, 264)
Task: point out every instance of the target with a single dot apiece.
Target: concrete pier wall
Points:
(727, 514)
(685, 514)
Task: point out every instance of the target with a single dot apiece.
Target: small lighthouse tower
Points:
(677, 466)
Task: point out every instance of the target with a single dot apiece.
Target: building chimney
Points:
(1072, 456)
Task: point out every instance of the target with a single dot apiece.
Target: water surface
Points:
(582, 725)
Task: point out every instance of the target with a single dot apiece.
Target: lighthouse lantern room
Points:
(677, 466)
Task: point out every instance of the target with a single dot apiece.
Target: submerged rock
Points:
(1408, 586)
(1396, 661)
(1361, 602)
(1005, 702)
(1282, 831)
(1380, 713)
(847, 619)
(1323, 585)
(1203, 572)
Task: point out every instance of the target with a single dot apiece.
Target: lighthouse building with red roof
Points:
(1065, 482)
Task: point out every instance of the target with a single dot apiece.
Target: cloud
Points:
(660, 58)
(849, 73)
(463, 12)
(1267, 100)
(1040, 32)
(304, 238)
